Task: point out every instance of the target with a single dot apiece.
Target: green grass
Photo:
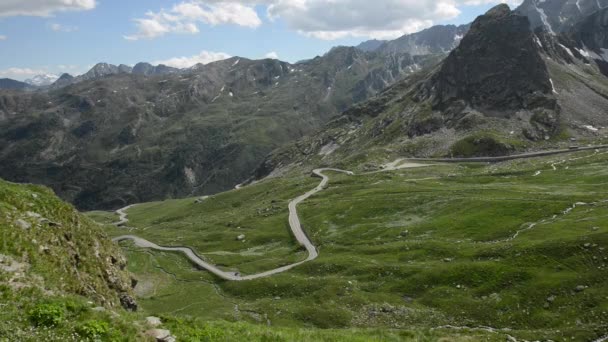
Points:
(412, 248)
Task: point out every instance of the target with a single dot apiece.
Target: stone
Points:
(241, 237)
(580, 288)
(161, 335)
(153, 321)
(23, 224)
(127, 302)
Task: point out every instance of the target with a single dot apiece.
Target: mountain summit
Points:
(496, 67)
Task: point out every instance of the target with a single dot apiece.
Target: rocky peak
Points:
(125, 69)
(499, 11)
(496, 68)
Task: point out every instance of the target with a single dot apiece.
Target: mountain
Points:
(148, 69)
(42, 80)
(557, 16)
(370, 45)
(104, 142)
(505, 88)
(434, 40)
(7, 83)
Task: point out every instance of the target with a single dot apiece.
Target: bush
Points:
(93, 329)
(47, 314)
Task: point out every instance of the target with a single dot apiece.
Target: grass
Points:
(412, 248)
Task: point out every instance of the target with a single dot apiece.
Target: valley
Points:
(393, 252)
(445, 180)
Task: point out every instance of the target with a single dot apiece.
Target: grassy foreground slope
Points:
(61, 279)
(518, 246)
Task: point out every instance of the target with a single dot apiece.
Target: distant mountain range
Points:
(119, 134)
(42, 80)
(434, 40)
(505, 88)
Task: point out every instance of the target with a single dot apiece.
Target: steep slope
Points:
(556, 16)
(57, 250)
(505, 88)
(434, 40)
(125, 138)
(149, 69)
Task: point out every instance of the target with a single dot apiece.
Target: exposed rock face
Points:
(496, 68)
(149, 69)
(591, 34)
(370, 45)
(556, 16)
(435, 40)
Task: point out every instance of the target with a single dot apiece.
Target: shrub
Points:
(93, 329)
(47, 314)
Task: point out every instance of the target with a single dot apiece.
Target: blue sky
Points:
(55, 36)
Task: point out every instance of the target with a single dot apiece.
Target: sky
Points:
(57, 36)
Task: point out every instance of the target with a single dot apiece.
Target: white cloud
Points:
(361, 18)
(62, 28)
(272, 55)
(185, 62)
(184, 17)
(42, 8)
(3, 37)
(511, 3)
(20, 73)
(322, 19)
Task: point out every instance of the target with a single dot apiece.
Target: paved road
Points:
(122, 215)
(294, 223)
(294, 220)
(509, 157)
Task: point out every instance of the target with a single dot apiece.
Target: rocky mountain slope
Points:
(505, 88)
(556, 16)
(117, 137)
(437, 39)
(48, 247)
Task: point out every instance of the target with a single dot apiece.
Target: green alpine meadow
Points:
(445, 180)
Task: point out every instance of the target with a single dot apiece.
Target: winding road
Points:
(294, 223)
(294, 220)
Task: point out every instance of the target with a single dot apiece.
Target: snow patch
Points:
(237, 62)
(567, 50)
(591, 128)
(583, 52)
(545, 20)
(553, 86)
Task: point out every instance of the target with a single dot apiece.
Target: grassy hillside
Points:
(61, 279)
(55, 267)
(518, 245)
